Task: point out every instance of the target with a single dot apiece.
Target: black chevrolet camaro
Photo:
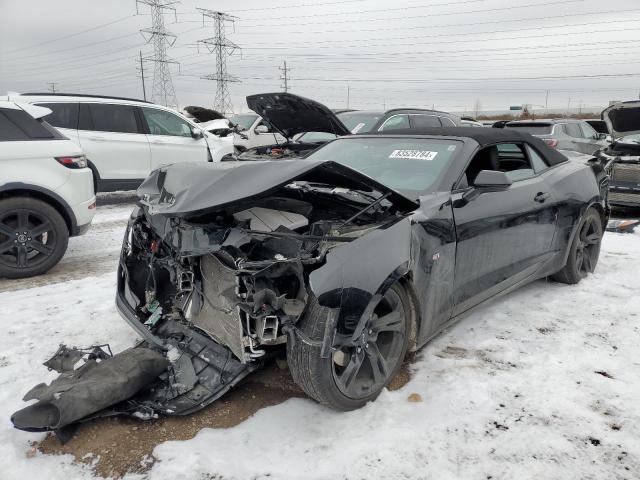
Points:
(342, 262)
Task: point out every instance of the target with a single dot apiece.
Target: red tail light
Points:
(552, 142)
(77, 161)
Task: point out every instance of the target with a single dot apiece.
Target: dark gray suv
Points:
(564, 134)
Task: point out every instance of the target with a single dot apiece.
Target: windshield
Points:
(409, 165)
(360, 122)
(243, 121)
(635, 138)
(532, 128)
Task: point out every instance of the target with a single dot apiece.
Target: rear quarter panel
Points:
(575, 186)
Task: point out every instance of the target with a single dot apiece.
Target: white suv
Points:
(125, 139)
(46, 191)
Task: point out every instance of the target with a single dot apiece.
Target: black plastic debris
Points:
(94, 386)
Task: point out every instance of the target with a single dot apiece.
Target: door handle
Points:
(541, 197)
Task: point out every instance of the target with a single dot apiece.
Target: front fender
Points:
(355, 273)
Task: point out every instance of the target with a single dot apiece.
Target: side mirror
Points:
(492, 179)
(601, 136)
(197, 133)
(261, 129)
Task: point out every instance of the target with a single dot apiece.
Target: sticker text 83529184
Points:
(414, 154)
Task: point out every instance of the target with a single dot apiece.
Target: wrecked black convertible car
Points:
(342, 262)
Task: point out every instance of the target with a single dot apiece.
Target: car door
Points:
(395, 122)
(111, 135)
(592, 138)
(578, 141)
(171, 138)
(503, 236)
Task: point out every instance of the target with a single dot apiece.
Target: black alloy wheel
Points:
(33, 237)
(585, 249)
(588, 245)
(365, 367)
(367, 360)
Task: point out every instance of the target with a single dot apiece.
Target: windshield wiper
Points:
(360, 212)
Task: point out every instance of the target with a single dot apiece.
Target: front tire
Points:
(584, 251)
(357, 372)
(33, 237)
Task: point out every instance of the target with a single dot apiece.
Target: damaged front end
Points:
(215, 279)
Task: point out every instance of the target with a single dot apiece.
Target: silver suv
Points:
(564, 134)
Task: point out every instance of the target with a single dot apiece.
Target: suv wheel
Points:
(33, 237)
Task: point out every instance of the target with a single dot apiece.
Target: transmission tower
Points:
(285, 76)
(223, 48)
(163, 91)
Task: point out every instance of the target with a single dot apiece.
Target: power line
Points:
(222, 48)
(487, 10)
(163, 91)
(430, 42)
(64, 37)
(430, 36)
(378, 10)
(446, 25)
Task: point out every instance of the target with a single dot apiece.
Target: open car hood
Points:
(182, 190)
(291, 114)
(622, 118)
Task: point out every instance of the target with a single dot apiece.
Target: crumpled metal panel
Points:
(218, 316)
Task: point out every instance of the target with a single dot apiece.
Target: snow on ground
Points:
(512, 391)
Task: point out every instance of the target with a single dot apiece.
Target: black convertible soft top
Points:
(484, 137)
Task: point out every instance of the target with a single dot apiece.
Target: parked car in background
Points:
(305, 124)
(258, 132)
(466, 122)
(220, 128)
(598, 125)
(125, 139)
(367, 121)
(622, 157)
(564, 134)
(46, 191)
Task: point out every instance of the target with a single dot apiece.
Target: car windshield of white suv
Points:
(408, 165)
(243, 121)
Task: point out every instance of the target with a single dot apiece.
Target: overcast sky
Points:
(414, 53)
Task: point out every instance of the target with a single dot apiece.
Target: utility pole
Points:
(163, 91)
(223, 48)
(52, 86)
(546, 102)
(348, 95)
(285, 76)
(568, 106)
(144, 90)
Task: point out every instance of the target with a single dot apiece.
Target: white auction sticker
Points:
(414, 154)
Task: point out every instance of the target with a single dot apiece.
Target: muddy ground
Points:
(116, 446)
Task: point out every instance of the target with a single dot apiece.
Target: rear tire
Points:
(33, 237)
(357, 373)
(584, 250)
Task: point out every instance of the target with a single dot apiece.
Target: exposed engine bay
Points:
(240, 275)
(213, 291)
